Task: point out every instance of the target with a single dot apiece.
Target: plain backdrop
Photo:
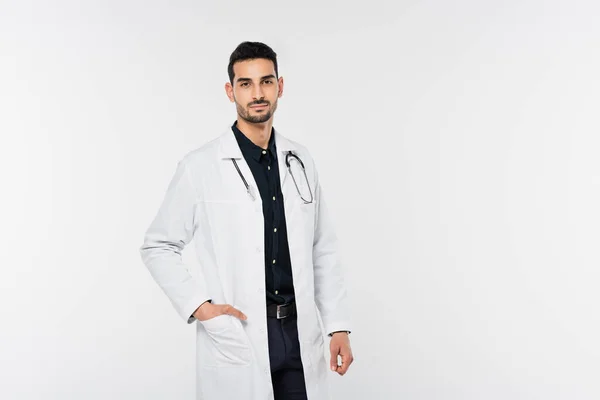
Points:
(457, 141)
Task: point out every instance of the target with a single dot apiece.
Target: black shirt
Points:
(264, 167)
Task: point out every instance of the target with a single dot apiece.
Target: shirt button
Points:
(273, 261)
(264, 152)
(269, 167)
(277, 292)
(273, 198)
(275, 230)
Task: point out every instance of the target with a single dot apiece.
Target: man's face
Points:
(255, 89)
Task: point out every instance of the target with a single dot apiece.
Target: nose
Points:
(257, 92)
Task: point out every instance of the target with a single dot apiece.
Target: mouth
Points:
(259, 106)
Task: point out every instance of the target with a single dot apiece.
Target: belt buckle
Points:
(279, 311)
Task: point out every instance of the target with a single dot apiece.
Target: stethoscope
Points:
(287, 163)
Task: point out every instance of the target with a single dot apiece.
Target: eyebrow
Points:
(262, 78)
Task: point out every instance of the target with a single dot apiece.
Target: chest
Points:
(232, 200)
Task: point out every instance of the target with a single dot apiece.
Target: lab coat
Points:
(206, 202)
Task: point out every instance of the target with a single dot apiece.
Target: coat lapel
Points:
(229, 148)
(283, 146)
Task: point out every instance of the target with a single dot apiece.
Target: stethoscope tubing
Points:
(287, 163)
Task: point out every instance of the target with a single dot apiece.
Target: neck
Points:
(259, 133)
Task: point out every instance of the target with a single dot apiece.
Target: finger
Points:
(229, 309)
(334, 358)
(346, 361)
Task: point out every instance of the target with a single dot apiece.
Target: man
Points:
(269, 265)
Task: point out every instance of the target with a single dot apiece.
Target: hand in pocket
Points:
(209, 310)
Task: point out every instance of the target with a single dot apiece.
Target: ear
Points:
(229, 91)
(280, 84)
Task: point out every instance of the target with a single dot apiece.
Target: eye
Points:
(244, 84)
(268, 81)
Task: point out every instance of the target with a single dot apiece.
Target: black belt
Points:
(280, 311)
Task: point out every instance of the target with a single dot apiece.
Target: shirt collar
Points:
(248, 147)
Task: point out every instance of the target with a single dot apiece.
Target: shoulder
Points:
(204, 152)
(202, 157)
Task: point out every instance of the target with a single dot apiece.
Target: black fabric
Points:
(264, 167)
(287, 373)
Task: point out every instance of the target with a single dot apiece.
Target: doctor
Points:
(251, 202)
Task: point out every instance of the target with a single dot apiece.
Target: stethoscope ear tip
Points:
(251, 192)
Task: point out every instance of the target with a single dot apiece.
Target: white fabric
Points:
(206, 201)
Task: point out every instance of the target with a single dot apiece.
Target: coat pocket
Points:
(227, 341)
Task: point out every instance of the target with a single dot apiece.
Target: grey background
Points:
(457, 141)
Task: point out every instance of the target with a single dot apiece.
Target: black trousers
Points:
(284, 355)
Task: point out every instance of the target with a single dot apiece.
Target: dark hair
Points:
(251, 51)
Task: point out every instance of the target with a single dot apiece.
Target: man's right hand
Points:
(208, 310)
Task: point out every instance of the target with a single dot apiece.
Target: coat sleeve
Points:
(330, 289)
(170, 231)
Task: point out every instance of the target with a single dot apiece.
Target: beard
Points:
(256, 117)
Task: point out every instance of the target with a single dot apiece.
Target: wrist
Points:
(339, 332)
(198, 312)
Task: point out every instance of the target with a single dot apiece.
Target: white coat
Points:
(207, 201)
